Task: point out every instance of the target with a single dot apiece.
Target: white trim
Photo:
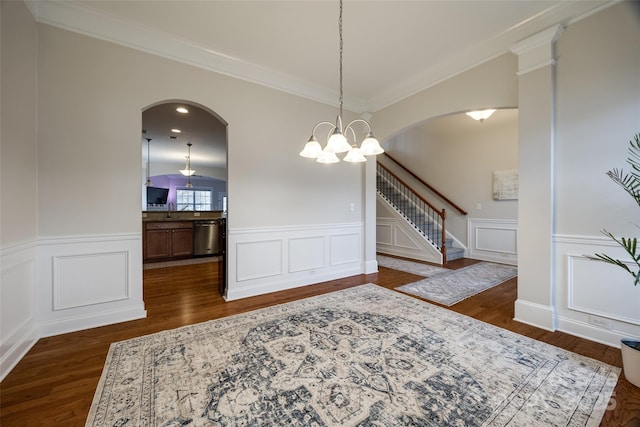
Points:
(487, 252)
(537, 66)
(59, 326)
(538, 315)
(269, 259)
(291, 228)
(24, 338)
(582, 307)
(584, 330)
(86, 306)
(571, 305)
(93, 23)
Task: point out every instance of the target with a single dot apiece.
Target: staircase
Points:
(422, 216)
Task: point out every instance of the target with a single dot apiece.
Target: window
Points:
(193, 200)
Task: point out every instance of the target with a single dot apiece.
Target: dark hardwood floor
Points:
(54, 384)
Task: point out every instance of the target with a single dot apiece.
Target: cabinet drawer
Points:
(165, 225)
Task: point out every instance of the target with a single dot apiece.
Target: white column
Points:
(369, 200)
(536, 103)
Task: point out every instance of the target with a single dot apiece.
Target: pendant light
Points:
(481, 115)
(187, 171)
(337, 141)
(148, 183)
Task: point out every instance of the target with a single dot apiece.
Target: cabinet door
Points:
(158, 244)
(182, 242)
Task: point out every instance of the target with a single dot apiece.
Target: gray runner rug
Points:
(364, 356)
(457, 285)
(412, 267)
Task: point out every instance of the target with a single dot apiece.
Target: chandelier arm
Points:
(359, 121)
(333, 126)
(353, 133)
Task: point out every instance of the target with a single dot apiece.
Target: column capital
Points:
(537, 51)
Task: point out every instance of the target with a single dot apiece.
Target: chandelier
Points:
(187, 171)
(148, 183)
(338, 136)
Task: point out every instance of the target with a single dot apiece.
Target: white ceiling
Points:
(392, 49)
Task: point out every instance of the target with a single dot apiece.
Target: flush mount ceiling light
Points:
(481, 115)
(148, 183)
(176, 131)
(187, 171)
(338, 136)
(182, 110)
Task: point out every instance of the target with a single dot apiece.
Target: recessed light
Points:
(182, 110)
(176, 131)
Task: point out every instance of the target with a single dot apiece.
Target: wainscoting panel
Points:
(345, 249)
(602, 290)
(306, 253)
(266, 259)
(263, 260)
(594, 300)
(88, 281)
(493, 240)
(402, 240)
(384, 232)
(18, 327)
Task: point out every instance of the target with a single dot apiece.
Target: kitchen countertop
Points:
(155, 216)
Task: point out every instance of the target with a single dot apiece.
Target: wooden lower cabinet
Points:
(168, 240)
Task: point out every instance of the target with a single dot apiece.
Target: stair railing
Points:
(400, 194)
(421, 181)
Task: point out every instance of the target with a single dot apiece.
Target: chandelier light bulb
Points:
(370, 146)
(355, 155)
(312, 149)
(327, 157)
(337, 143)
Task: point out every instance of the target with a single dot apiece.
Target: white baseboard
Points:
(78, 323)
(276, 285)
(370, 267)
(540, 316)
(22, 341)
(590, 332)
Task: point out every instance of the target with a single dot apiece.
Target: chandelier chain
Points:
(337, 139)
(341, 46)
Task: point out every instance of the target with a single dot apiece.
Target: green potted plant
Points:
(630, 182)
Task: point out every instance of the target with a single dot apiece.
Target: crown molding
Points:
(90, 22)
(85, 20)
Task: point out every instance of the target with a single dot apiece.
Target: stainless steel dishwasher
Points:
(206, 238)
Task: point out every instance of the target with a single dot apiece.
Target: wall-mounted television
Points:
(157, 196)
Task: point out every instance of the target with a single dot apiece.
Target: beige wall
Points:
(18, 188)
(492, 84)
(18, 170)
(457, 156)
(90, 101)
(598, 112)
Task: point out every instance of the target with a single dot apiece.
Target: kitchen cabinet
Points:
(168, 240)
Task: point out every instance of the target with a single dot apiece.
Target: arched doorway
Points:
(184, 184)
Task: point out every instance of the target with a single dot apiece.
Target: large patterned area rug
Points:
(456, 285)
(365, 356)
